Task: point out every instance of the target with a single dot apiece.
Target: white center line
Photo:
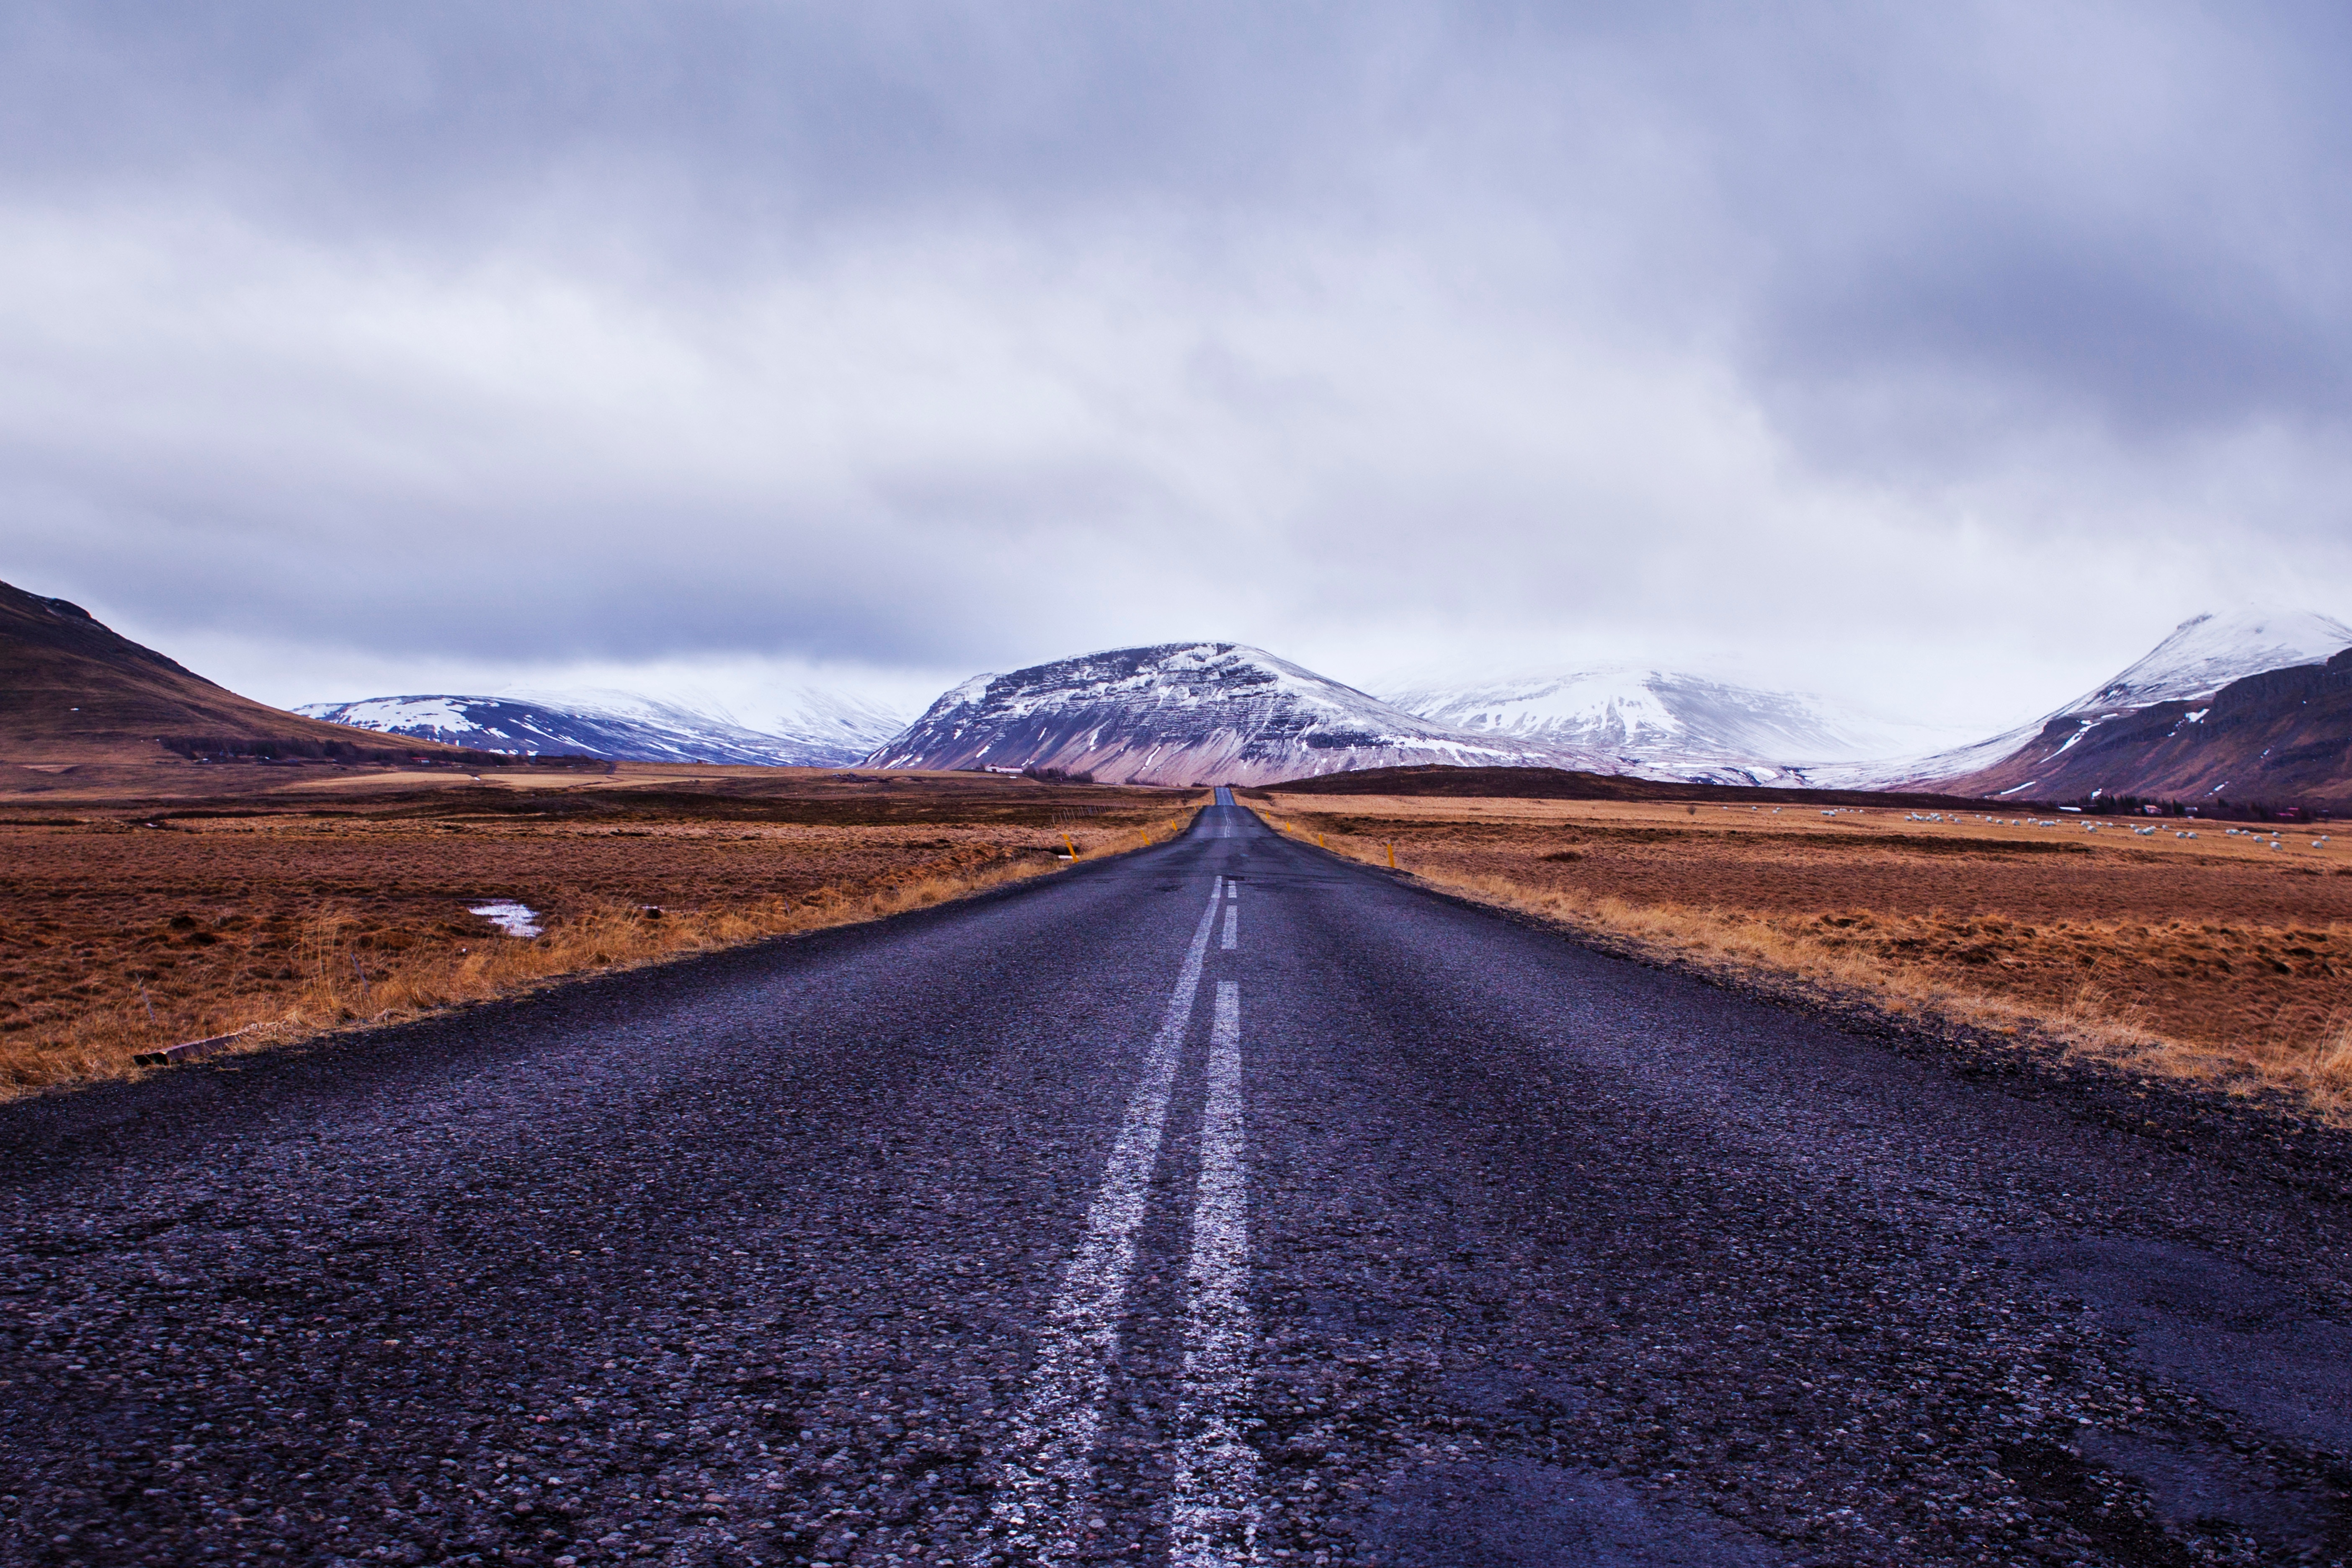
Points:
(1048, 1477)
(1214, 1515)
(1232, 912)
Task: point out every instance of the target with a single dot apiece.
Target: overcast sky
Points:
(1939, 358)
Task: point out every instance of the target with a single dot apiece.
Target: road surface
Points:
(1222, 1203)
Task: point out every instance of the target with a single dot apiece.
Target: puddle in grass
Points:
(515, 919)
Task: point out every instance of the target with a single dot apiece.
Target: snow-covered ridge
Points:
(420, 718)
(2206, 652)
(1659, 723)
(825, 730)
(804, 716)
(1181, 712)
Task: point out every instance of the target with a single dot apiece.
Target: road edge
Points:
(2263, 1131)
(282, 1052)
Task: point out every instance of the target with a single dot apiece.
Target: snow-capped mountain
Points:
(2109, 738)
(824, 731)
(1180, 713)
(2206, 652)
(1657, 723)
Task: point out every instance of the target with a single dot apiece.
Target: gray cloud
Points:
(953, 336)
(2131, 223)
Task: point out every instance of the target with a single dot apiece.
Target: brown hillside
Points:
(72, 691)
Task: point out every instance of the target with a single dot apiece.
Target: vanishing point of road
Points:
(1221, 1202)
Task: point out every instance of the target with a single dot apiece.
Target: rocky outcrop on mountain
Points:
(1179, 713)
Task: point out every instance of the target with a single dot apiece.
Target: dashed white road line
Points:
(1232, 912)
(1047, 1478)
(1214, 1515)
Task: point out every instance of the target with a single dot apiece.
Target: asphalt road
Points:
(1221, 1202)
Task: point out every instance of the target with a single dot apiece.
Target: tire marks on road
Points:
(1213, 1522)
(1048, 1478)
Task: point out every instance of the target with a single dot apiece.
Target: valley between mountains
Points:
(2250, 710)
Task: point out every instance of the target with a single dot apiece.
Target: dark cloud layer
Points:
(626, 332)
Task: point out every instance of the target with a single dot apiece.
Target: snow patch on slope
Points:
(412, 716)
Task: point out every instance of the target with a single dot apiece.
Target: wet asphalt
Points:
(1221, 1203)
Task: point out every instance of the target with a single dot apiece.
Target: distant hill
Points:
(825, 730)
(2283, 737)
(2255, 707)
(1174, 715)
(1657, 723)
(72, 690)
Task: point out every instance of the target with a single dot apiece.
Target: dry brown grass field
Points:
(2216, 957)
(142, 911)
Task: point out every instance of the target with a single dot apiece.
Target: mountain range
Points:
(2255, 707)
(1177, 712)
(817, 730)
(2255, 704)
(1658, 724)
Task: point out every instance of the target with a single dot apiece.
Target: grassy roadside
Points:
(1899, 963)
(346, 979)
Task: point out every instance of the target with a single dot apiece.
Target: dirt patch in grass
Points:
(2217, 957)
(123, 932)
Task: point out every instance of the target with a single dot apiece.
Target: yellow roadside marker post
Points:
(1074, 848)
(1391, 856)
